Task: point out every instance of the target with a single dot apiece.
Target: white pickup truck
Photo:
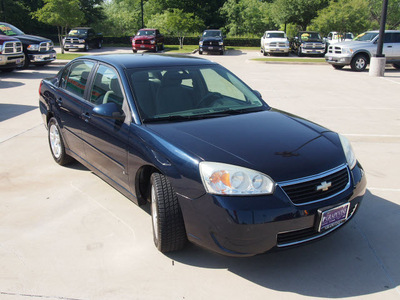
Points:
(359, 51)
(274, 42)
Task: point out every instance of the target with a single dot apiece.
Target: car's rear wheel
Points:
(168, 227)
(299, 52)
(86, 47)
(359, 63)
(397, 66)
(200, 52)
(57, 144)
(337, 67)
(99, 45)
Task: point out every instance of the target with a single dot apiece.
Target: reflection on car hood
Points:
(280, 145)
(144, 37)
(211, 38)
(276, 40)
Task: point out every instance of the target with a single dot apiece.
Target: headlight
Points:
(201, 43)
(1, 48)
(33, 47)
(224, 179)
(82, 41)
(221, 43)
(347, 51)
(152, 42)
(348, 151)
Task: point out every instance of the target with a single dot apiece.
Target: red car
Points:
(148, 39)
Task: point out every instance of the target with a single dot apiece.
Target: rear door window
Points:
(77, 80)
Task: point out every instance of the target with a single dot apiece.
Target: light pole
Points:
(377, 63)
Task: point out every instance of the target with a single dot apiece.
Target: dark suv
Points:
(82, 38)
(308, 43)
(212, 40)
(38, 50)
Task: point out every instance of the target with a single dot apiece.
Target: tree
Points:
(343, 16)
(176, 22)
(247, 16)
(92, 10)
(393, 13)
(61, 13)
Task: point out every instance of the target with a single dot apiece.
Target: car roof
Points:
(130, 61)
(81, 28)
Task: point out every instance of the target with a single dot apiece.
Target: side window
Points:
(396, 37)
(388, 38)
(77, 78)
(106, 87)
(64, 78)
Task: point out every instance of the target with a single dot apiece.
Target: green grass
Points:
(69, 56)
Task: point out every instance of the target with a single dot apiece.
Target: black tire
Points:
(66, 49)
(168, 227)
(27, 62)
(264, 53)
(86, 49)
(156, 49)
(56, 144)
(396, 66)
(200, 52)
(337, 67)
(99, 45)
(359, 62)
(221, 52)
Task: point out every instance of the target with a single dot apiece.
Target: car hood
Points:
(211, 38)
(280, 145)
(5, 38)
(144, 37)
(312, 41)
(276, 40)
(355, 44)
(81, 36)
(28, 39)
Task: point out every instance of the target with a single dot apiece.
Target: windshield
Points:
(305, 36)
(146, 32)
(10, 30)
(366, 36)
(181, 92)
(209, 33)
(276, 35)
(77, 32)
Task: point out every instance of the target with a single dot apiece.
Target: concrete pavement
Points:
(66, 234)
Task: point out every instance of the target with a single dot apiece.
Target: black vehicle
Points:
(219, 167)
(38, 50)
(82, 38)
(212, 41)
(308, 43)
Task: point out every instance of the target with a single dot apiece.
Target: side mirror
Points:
(109, 111)
(258, 94)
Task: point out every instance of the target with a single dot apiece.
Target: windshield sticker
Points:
(7, 30)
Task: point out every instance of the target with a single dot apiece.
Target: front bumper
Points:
(246, 226)
(276, 49)
(211, 48)
(74, 46)
(137, 47)
(318, 51)
(10, 61)
(42, 57)
(336, 59)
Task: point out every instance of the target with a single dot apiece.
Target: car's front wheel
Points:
(168, 227)
(359, 63)
(299, 52)
(56, 143)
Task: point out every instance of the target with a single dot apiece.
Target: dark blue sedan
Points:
(219, 167)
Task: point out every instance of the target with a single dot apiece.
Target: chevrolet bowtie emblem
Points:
(324, 186)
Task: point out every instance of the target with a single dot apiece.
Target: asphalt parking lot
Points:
(66, 234)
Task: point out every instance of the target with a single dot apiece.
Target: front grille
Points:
(317, 188)
(45, 46)
(12, 47)
(281, 45)
(72, 40)
(335, 50)
(142, 42)
(210, 43)
(313, 46)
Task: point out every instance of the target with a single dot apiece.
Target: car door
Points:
(393, 46)
(106, 139)
(72, 92)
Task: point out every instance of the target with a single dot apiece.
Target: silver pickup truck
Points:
(358, 52)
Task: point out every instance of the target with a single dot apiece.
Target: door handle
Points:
(389, 46)
(59, 101)
(86, 116)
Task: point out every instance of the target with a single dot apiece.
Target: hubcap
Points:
(154, 215)
(360, 63)
(55, 141)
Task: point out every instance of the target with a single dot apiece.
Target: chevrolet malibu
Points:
(219, 167)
